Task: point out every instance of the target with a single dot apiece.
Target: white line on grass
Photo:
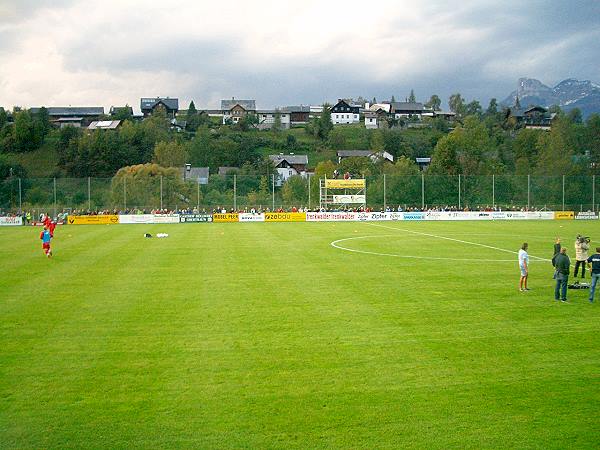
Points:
(455, 240)
(336, 245)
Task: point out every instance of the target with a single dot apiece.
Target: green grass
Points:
(266, 336)
(40, 163)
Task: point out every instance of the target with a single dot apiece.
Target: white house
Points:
(343, 113)
(289, 165)
(266, 119)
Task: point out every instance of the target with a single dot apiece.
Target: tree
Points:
(473, 108)
(575, 116)
(170, 154)
(294, 191)
(123, 113)
(393, 99)
(3, 117)
(277, 122)
(457, 104)
(593, 142)
(24, 132)
(247, 122)
(324, 123)
(411, 97)
(434, 103)
(492, 108)
(377, 142)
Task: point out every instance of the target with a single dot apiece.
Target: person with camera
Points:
(594, 265)
(582, 245)
(563, 264)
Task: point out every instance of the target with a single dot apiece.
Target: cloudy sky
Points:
(112, 52)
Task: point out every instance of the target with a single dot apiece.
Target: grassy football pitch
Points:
(405, 335)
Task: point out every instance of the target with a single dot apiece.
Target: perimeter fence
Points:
(241, 192)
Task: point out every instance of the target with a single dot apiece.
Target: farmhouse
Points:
(150, 105)
(289, 165)
(343, 113)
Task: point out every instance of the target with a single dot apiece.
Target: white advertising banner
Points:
(165, 218)
(11, 221)
(586, 215)
(148, 218)
(348, 199)
(372, 216)
(249, 217)
(330, 216)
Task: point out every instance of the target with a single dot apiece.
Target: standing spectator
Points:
(556, 251)
(524, 267)
(594, 264)
(563, 264)
(581, 254)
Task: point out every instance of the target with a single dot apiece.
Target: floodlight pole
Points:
(124, 193)
(273, 181)
(198, 195)
(89, 194)
(309, 191)
(593, 192)
(563, 192)
(20, 205)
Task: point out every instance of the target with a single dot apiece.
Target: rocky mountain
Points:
(567, 94)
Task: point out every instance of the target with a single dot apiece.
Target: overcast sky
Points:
(112, 52)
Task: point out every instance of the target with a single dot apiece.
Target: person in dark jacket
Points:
(556, 251)
(563, 264)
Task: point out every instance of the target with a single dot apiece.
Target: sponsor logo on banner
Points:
(165, 218)
(564, 215)
(499, 215)
(136, 218)
(395, 216)
(11, 221)
(345, 184)
(544, 215)
(195, 218)
(346, 199)
(249, 217)
(414, 216)
(232, 217)
(93, 220)
(516, 215)
(285, 217)
(586, 215)
(330, 216)
(371, 216)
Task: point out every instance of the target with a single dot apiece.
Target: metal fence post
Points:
(493, 191)
(593, 192)
(459, 205)
(563, 192)
(234, 192)
(54, 197)
(422, 191)
(20, 197)
(528, 191)
(273, 180)
(384, 199)
(161, 192)
(124, 194)
(309, 191)
(89, 194)
(198, 194)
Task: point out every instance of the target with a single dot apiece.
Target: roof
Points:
(270, 111)
(350, 153)
(223, 170)
(293, 109)
(406, 106)
(377, 106)
(291, 159)
(248, 105)
(149, 103)
(423, 160)
(77, 111)
(370, 114)
(199, 174)
(115, 109)
(535, 108)
(104, 125)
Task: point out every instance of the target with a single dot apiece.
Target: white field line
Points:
(455, 240)
(336, 245)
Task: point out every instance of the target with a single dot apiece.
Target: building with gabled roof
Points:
(195, 174)
(289, 165)
(149, 105)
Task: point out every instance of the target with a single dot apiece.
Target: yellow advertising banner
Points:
(345, 184)
(285, 217)
(564, 215)
(234, 217)
(93, 220)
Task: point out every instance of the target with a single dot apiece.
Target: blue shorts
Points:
(523, 271)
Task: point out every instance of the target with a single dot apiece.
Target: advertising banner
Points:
(195, 218)
(165, 218)
(586, 215)
(347, 199)
(233, 217)
(330, 216)
(372, 216)
(564, 215)
(345, 184)
(543, 215)
(413, 216)
(249, 217)
(136, 218)
(285, 217)
(10, 221)
(93, 220)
